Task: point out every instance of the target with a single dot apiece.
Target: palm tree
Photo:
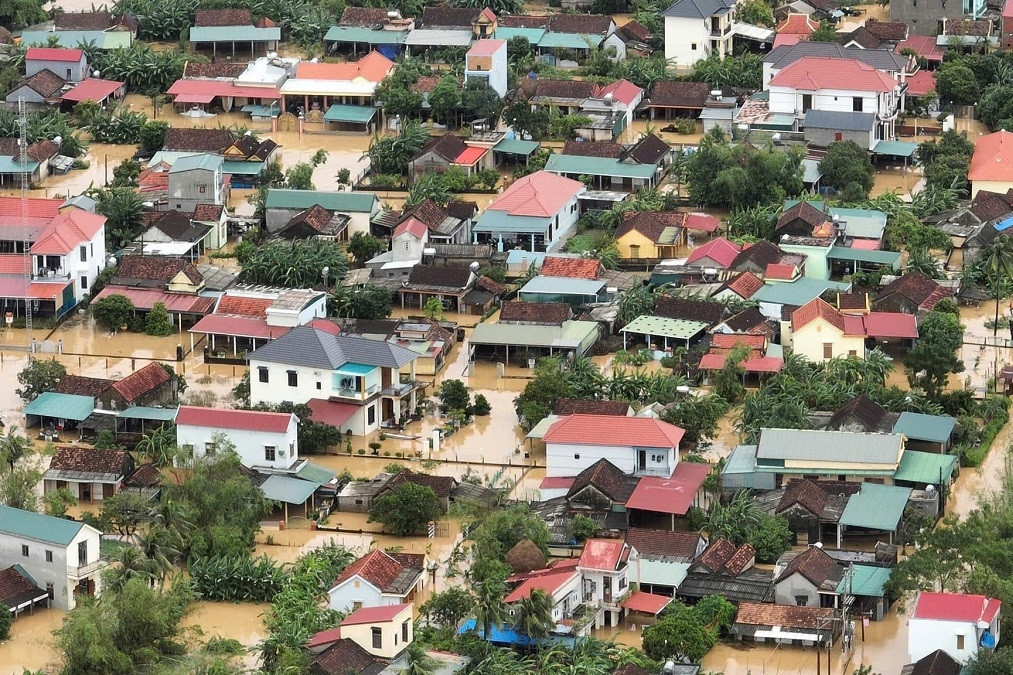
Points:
(999, 261)
(157, 546)
(13, 446)
(130, 563)
(489, 608)
(420, 663)
(534, 615)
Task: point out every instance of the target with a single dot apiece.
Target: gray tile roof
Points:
(881, 59)
(699, 9)
(312, 348)
(844, 121)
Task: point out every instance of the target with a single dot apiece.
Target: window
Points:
(801, 600)
(406, 246)
(293, 378)
(856, 104)
(82, 553)
(852, 352)
(269, 453)
(24, 550)
(69, 74)
(371, 415)
(692, 46)
(319, 386)
(838, 136)
(622, 582)
(291, 449)
(262, 374)
(356, 605)
(91, 248)
(50, 590)
(634, 250)
(49, 556)
(358, 501)
(201, 189)
(807, 102)
(209, 449)
(84, 283)
(84, 254)
(576, 455)
(828, 350)
(377, 638)
(404, 631)
(960, 642)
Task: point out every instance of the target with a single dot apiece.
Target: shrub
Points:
(158, 322)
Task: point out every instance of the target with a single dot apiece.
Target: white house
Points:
(349, 382)
(695, 29)
(487, 61)
(561, 582)
(197, 179)
(70, 64)
(384, 631)
(71, 250)
(377, 579)
(263, 440)
(837, 85)
(636, 445)
(604, 569)
(62, 556)
(407, 246)
(958, 624)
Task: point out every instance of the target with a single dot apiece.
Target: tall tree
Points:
(406, 509)
(534, 615)
(934, 356)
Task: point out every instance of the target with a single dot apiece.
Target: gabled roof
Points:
(892, 31)
(82, 20)
(680, 94)
(389, 573)
(363, 16)
(442, 486)
(17, 587)
(45, 83)
(548, 313)
(663, 543)
(720, 250)
(89, 461)
(605, 477)
(197, 140)
(916, 287)
(993, 157)
(862, 37)
(815, 73)
(815, 565)
(575, 89)
(956, 607)
(882, 59)
(580, 24)
(817, 309)
(722, 556)
(797, 24)
(412, 226)
(749, 320)
(803, 211)
(38, 526)
(346, 656)
(221, 418)
(603, 554)
(141, 382)
(673, 495)
(67, 231)
(784, 616)
(584, 406)
(698, 9)
(154, 268)
(805, 493)
(869, 413)
(224, 17)
(548, 580)
(447, 146)
(313, 348)
(599, 430)
(446, 17)
(92, 89)
(53, 54)
(607, 149)
(743, 284)
(574, 268)
(378, 614)
(761, 254)
(938, 662)
(79, 385)
(541, 195)
(649, 150)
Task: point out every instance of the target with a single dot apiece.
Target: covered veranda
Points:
(660, 331)
(360, 118)
(141, 420)
(291, 491)
(513, 151)
(876, 508)
(260, 39)
(55, 413)
(234, 336)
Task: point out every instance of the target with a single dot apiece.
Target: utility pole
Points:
(26, 243)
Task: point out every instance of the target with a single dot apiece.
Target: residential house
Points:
(874, 34)
(442, 486)
(557, 35)
(198, 141)
(457, 288)
(197, 179)
(316, 222)
(760, 358)
(778, 301)
(717, 254)
(150, 279)
(69, 64)
(40, 161)
(658, 500)
(428, 337)
(922, 20)
(742, 286)
(368, 28)
(89, 474)
(959, 624)
(45, 86)
(820, 333)
(441, 153)
(892, 63)
(991, 165)
(149, 386)
(102, 29)
(62, 556)
(749, 321)
(494, 340)
(342, 656)
(695, 29)
(813, 508)
(637, 445)
(281, 205)
(660, 559)
(486, 62)
(385, 631)
(96, 90)
(535, 313)
(638, 40)
(785, 624)
(675, 99)
(604, 571)
(823, 127)
(450, 27)
(377, 579)
(537, 213)
(928, 433)
(263, 440)
(573, 290)
(408, 243)
(936, 663)
(601, 485)
(581, 406)
(355, 378)
(807, 579)
(232, 27)
(686, 309)
(344, 91)
(18, 591)
(561, 581)
(912, 293)
(828, 454)
(724, 569)
(447, 225)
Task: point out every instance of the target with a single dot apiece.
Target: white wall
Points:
(56, 572)
(925, 636)
(249, 444)
(809, 342)
(570, 460)
(90, 267)
(614, 40)
(680, 37)
(343, 596)
(563, 223)
(789, 101)
(406, 246)
(314, 310)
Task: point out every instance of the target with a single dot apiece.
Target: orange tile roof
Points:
(745, 284)
(373, 67)
(242, 306)
(141, 382)
(797, 24)
(992, 158)
(604, 430)
(67, 231)
(603, 554)
(720, 250)
(816, 309)
(575, 268)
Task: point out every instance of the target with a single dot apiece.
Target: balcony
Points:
(82, 571)
(48, 274)
(399, 389)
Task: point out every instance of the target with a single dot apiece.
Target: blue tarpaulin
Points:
(1003, 225)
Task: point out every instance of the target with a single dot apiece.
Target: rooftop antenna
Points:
(23, 158)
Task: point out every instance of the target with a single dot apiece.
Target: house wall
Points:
(344, 596)
(786, 592)
(923, 18)
(27, 94)
(625, 244)
(991, 185)
(185, 189)
(62, 572)
(492, 69)
(816, 265)
(249, 444)
(926, 636)
(682, 35)
(77, 488)
(406, 246)
(810, 339)
(569, 460)
(614, 40)
(789, 101)
(824, 137)
(73, 72)
(82, 265)
(391, 642)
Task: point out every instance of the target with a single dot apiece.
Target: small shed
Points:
(931, 433)
(875, 508)
(288, 490)
(658, 330)
(866, 583)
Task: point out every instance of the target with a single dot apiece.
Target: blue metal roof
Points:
(1004, 224)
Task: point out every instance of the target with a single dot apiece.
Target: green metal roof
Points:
(532, 34)
(919, 427)
(925, 468)
(362, 202)
(680, 329)
(61, 406)
(515, 146)
(234, 34)
(542, 428)
(598, 166)
(286, 489)
(142, 413)
(204, 160)
(366, 35)
(568, 41)
(358, 114)
(864, 223)
(73, 39)
(742, 459)
(829, 447)
(266, 111)
(243, 168)
(501, 221)
(876, 507)
(740, 471)
(38, 526)
(798, 292)
(895, 148)
(866, 580)
(889, 258)
(570, 335)
(10, 165)
(315, 473)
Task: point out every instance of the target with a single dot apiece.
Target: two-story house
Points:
(61, 555)
(838, 85)
(537, 213)
(357, 381)
(695, 29)
(603, 567)
(486, 61)
(560, 581)
(407, 245)
(385, 631)
(71, 250)
(637, 445)
(377, 579)
(263, 440)
(197, 179)
(930, 18)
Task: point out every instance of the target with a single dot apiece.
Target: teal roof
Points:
(888, 258)
(925, 468)
(742, 459)
(243, 168)
(286, 489)
(142, 413)
(514, 146)
(37, 526)
(895, 148)
(798, 292)
(598, 166)
(569, 41)
(61, 406)
(576, 335)
(75, 38)
(919, 427)
(234, 34)
(532, 34)
(9, 165)
(680, 329)
(204, 160)
(315, 473)
(358, 114)
(367, 35)
(501, 221)
(361, 202)
(876, 507)
(864, 223)
(266, 111)
(866, 580)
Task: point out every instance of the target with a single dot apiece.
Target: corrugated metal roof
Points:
(837, 120)
(315, 473)
(286, 489)
(38, 526)
(819, 445)
(553, 40)
(61, 406)
(313, 348)
(235, 34)
(562, 286)
(890, 258)
(876, 507)
(866, 580)
(514, 146)
(361, 202)
(143, 413)
(358, 114)
(919, 427)
(798, 292)
(501, 221)
(570, 335)
(925, 468)
(598, 166)
(681, 329)
(367, 35)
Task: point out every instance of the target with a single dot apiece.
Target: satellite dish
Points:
(818, 544)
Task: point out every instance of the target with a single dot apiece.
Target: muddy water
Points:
(31, 642)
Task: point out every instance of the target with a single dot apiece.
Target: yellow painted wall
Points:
(635, 238)
(1000, 186)
(810, 339)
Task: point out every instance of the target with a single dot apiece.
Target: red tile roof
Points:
(672, 495)
(556, 483)
(722, 556)
(538, 195)
(745, 284)
(701, 221)
(240, 326)
(92, 89)
(372, 67)
(35, 207)
(602, 430)
(622, 90)
(145, 299)
(243, 306)
(412, 226)
(720, 250)
(603, 554)
(814, 564)
(956, 607)
(548, 580)
(141, 382)
(333, 413)
(816, 73)
(646, 603)
(890, 325)
(376, 567)
(992, 158)
(727, 341)
(923, 45)
(470, 155)
(221, 418)
(377, 614)
(575, 268)
(785, 616)
(780, 271)
(757, 363)
(67, 231)
(204, 91)
(16, 589)
(324, 637)
(816, 309)
(921, 83)
(53, 54)
(797, 24)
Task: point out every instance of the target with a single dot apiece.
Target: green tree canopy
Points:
(721, 174)
(406, 509)
(934, 356)
(846, 163)
(364, 247)
(453, 395)
(955, 82)
(40, 375)
(113, 311)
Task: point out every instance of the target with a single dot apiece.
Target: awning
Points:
(876, 507)
(143, 413)
(647, 603)
(315, 473)
(895, 148)
(288, 490)
(751, 32)
(194, 97)
(333, 413)
(889, 258)
(660, 326)
(542, 428)
(925, 468)
(354, 114)
(513, 146)
(61, 406)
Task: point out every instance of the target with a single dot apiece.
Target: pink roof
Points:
(92, 89)
(539, 195)
(19, 287)
(672, 495)
(548, 483)
(890, 325)
(240, 326)
(956, 607)
(13, 263)
(613, 431)
(222, 418)
(1007, 9)
(780, 271)
(623, 91)
(816, 73)
(548, 581)
(488, 13)
(923, 45)
(470, 155)
(992, 158)
(701, 221)
(603, 554)
(205, 91)
(797, 24)
(324, 637)
(787, 39)
(412, 226)
(754, 364)
(53, 54)
(145, 298)
(720, 250)
(67, 231)
(34, 207)
(921, 83)
(378, 614)
(372, 67)
(646, 603)
(326, 326)
(333, 413)
(866, 244)
(486, 47)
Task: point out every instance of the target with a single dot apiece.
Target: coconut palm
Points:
(999, 261)
(534, 615)
(489, 608)
(13, 446)
(130, 563)
(157, 546)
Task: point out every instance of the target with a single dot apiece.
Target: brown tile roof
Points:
(6, 37)
(223, 69)
(651, 224)
(208, 212)
(688, 95)
(381, 568)
(224, 17)
(197, 140)
(46, 83)
(722, 556)
(581, 24)
(869, 413)
(786, 616)
(852, 301)
(744, 284)
(428, 211)
(425, 84)
(439, 276)
(762, 253)
(448, 17)
(441, 485)
(363, 16)
(805, 493)
(981, 27)
(663, 542)
(564, 89)
(805, 211)
(89, 460)
(607, 478)
(894, 31)
(458, 208)
(146, 475)
(548, 313)
(316, 217)
(586, 406)
(239, 305)
(693, 310)
(649, 150)
(141, 382)
(936, 663)
(447, 146)
(814, 564)
(523, 21)
(160, 268)
(747, 321)
(83, 20)
(864, 37)
(988, 205)
(343, 657)
(738, 562)
(490, 285)
(574, 268)
(593, 149)
(15, 588)
(83, 386)
(914, 286)
(265, 22)
(634, 30)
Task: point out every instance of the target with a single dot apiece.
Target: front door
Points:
(385, 376)
(85, 587)
(86, 492)
(108, 490)
(606, 589)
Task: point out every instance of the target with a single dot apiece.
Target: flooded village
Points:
(621, 338)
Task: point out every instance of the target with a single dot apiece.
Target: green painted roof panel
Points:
(680, 329)
(365, 35)
(286, 489)
(143, 413)
(925, 468)
(10, 165)
(570, 335)
(866, 580)
(61, 406)
(315, 473)
(569, 41)
(358, 114)
(73, 39)
(234, 34)
(243, 168)
(38, 526)
(501, 221)
(890, 258)
(798, 292)
(360, 202)
(515, 146)
(532, 34)
(919, 427)
(876, 507)
(598, 166)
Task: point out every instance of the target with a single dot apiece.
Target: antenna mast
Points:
(23, 158)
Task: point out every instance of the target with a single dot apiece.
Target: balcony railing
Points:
(399, 389)
(88, 569)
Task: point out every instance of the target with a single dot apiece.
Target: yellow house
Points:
(658, 235)
(991, 165)
(820, 333)
(384, 631)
